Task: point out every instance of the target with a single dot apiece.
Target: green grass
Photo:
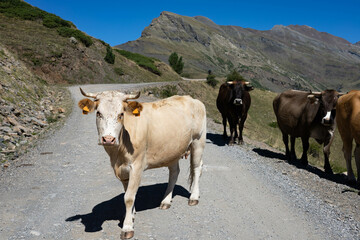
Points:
(79, 35)
(143, 61)
(24, 11)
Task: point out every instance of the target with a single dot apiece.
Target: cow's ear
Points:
(87, 105)
(313, 99)
(134, 107)
(248, 86)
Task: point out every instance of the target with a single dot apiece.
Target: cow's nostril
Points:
(108, 140)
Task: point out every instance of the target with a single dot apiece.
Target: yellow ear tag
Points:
(85, 110)
(136, 112)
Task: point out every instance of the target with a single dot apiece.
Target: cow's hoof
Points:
(241, 142)
(127, 235)
(193, 202)
(165, 206)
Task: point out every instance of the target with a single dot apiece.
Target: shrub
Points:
(53, 21)
(234, 76)
(143, 61)
(119, 71)
(69, 32)
(110, 56)
(211, 80)
(168, 91)
(273, 124)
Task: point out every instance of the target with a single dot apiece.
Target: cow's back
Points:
(171, 125)
(348, 115)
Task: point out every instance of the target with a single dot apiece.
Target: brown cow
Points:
(139, 136)
(348, 122)
(305, 115)
(233, 102)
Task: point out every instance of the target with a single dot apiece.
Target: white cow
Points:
(139, 136)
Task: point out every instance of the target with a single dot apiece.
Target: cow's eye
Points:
(98, 114)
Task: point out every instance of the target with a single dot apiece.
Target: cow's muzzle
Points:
(328, 120)
(238, 101)
(108, 140)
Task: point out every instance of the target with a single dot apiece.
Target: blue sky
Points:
(117, 22)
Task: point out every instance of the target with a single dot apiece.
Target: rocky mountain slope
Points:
(284, 57)
(28, 106)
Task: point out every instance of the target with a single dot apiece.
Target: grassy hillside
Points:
(59, 53)
(41, 52)
(261, 123)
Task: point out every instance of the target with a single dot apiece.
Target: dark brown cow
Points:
(348, 121)
(305, 115)
(233, 102)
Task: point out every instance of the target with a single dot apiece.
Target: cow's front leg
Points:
(327, 144)
(129, 199)
(174, 171)
(232, 131)
(241, 127)
(224, 121)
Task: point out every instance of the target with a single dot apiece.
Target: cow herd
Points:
(140, 136)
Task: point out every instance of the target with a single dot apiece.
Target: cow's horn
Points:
(132, 96)
(316, 93)
(92, 95)
(231, 82)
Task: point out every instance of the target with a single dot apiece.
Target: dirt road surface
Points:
(65, 189)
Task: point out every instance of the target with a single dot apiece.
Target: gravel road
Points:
(65, 189)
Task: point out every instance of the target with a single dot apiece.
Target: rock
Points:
(12, 121)
(6, 129)
(73, 40)
(61, 110)
(38, 122)
(11, 146)
(20, 129)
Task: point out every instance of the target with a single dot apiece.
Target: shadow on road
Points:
(216, 139)
(147, 197)
(338, 178)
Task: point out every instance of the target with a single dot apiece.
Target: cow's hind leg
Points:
(174, 171)
(286, 143)
(129, 199)
(292, 152)
(197, 149)
(305, 144)
(347, 149)
(357, 161)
